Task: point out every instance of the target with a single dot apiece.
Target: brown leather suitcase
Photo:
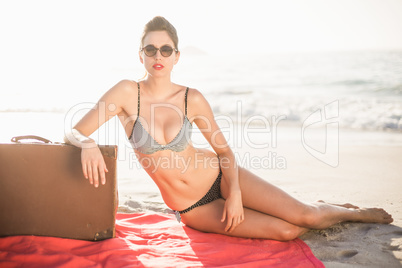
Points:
(44, 192)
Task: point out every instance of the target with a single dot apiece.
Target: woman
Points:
(206, 189)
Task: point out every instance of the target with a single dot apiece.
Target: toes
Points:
(387, 218)
(348, 205)
(376, 215)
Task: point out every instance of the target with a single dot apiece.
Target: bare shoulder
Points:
(195, 97)
(197, 102)
(123, 92)
(125, 87)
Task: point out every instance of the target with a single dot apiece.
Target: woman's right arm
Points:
(112, 103)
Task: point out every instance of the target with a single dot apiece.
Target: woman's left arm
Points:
(203, 116)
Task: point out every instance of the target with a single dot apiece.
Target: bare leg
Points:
(325, 215)
(264, 197)
(271, 213)
(206, 218)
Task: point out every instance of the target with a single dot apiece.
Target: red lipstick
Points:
(158, 66)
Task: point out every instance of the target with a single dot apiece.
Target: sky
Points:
(228, 26)
(74, 36)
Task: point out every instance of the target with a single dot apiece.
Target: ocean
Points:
(365, 87)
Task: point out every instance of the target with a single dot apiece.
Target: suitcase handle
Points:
(29, 137)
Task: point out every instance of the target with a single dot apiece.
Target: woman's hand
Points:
(93, 165)
(233, 211)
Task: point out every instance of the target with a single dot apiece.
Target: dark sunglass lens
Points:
(150, 50)
(166, 51)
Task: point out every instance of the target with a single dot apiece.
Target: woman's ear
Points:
(177, 57)
(141, 59)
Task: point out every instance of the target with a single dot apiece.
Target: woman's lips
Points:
(158, 66)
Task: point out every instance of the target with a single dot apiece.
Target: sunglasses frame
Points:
(160, 51)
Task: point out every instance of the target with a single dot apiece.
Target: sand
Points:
(368, 175)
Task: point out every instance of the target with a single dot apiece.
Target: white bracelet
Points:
(78, 139)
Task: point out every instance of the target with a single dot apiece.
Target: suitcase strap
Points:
(29, 137)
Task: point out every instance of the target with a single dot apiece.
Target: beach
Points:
(308, 95)
(321, 126)
(367, 175)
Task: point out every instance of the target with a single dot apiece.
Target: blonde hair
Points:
(159, 23)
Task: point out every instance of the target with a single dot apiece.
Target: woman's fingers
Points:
(84, 170)
(102, 171)
(93, 166)
(95, 175)
(228, 225)
(233, 222)
(90, 176)
(224, 215)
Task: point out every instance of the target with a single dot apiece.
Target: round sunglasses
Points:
(166, 51)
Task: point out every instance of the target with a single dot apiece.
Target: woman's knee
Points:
(289, 233)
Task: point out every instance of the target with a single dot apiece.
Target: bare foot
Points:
(373, 215)
(346, 205)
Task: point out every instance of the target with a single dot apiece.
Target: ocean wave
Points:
(354, 82)
(353, 112)
(395, 90)
(357, 112)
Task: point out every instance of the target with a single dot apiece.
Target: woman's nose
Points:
(158, 54)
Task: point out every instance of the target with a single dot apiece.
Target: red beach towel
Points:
(154, 240)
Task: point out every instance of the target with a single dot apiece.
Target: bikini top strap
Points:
(138, 109)
(185, 102)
